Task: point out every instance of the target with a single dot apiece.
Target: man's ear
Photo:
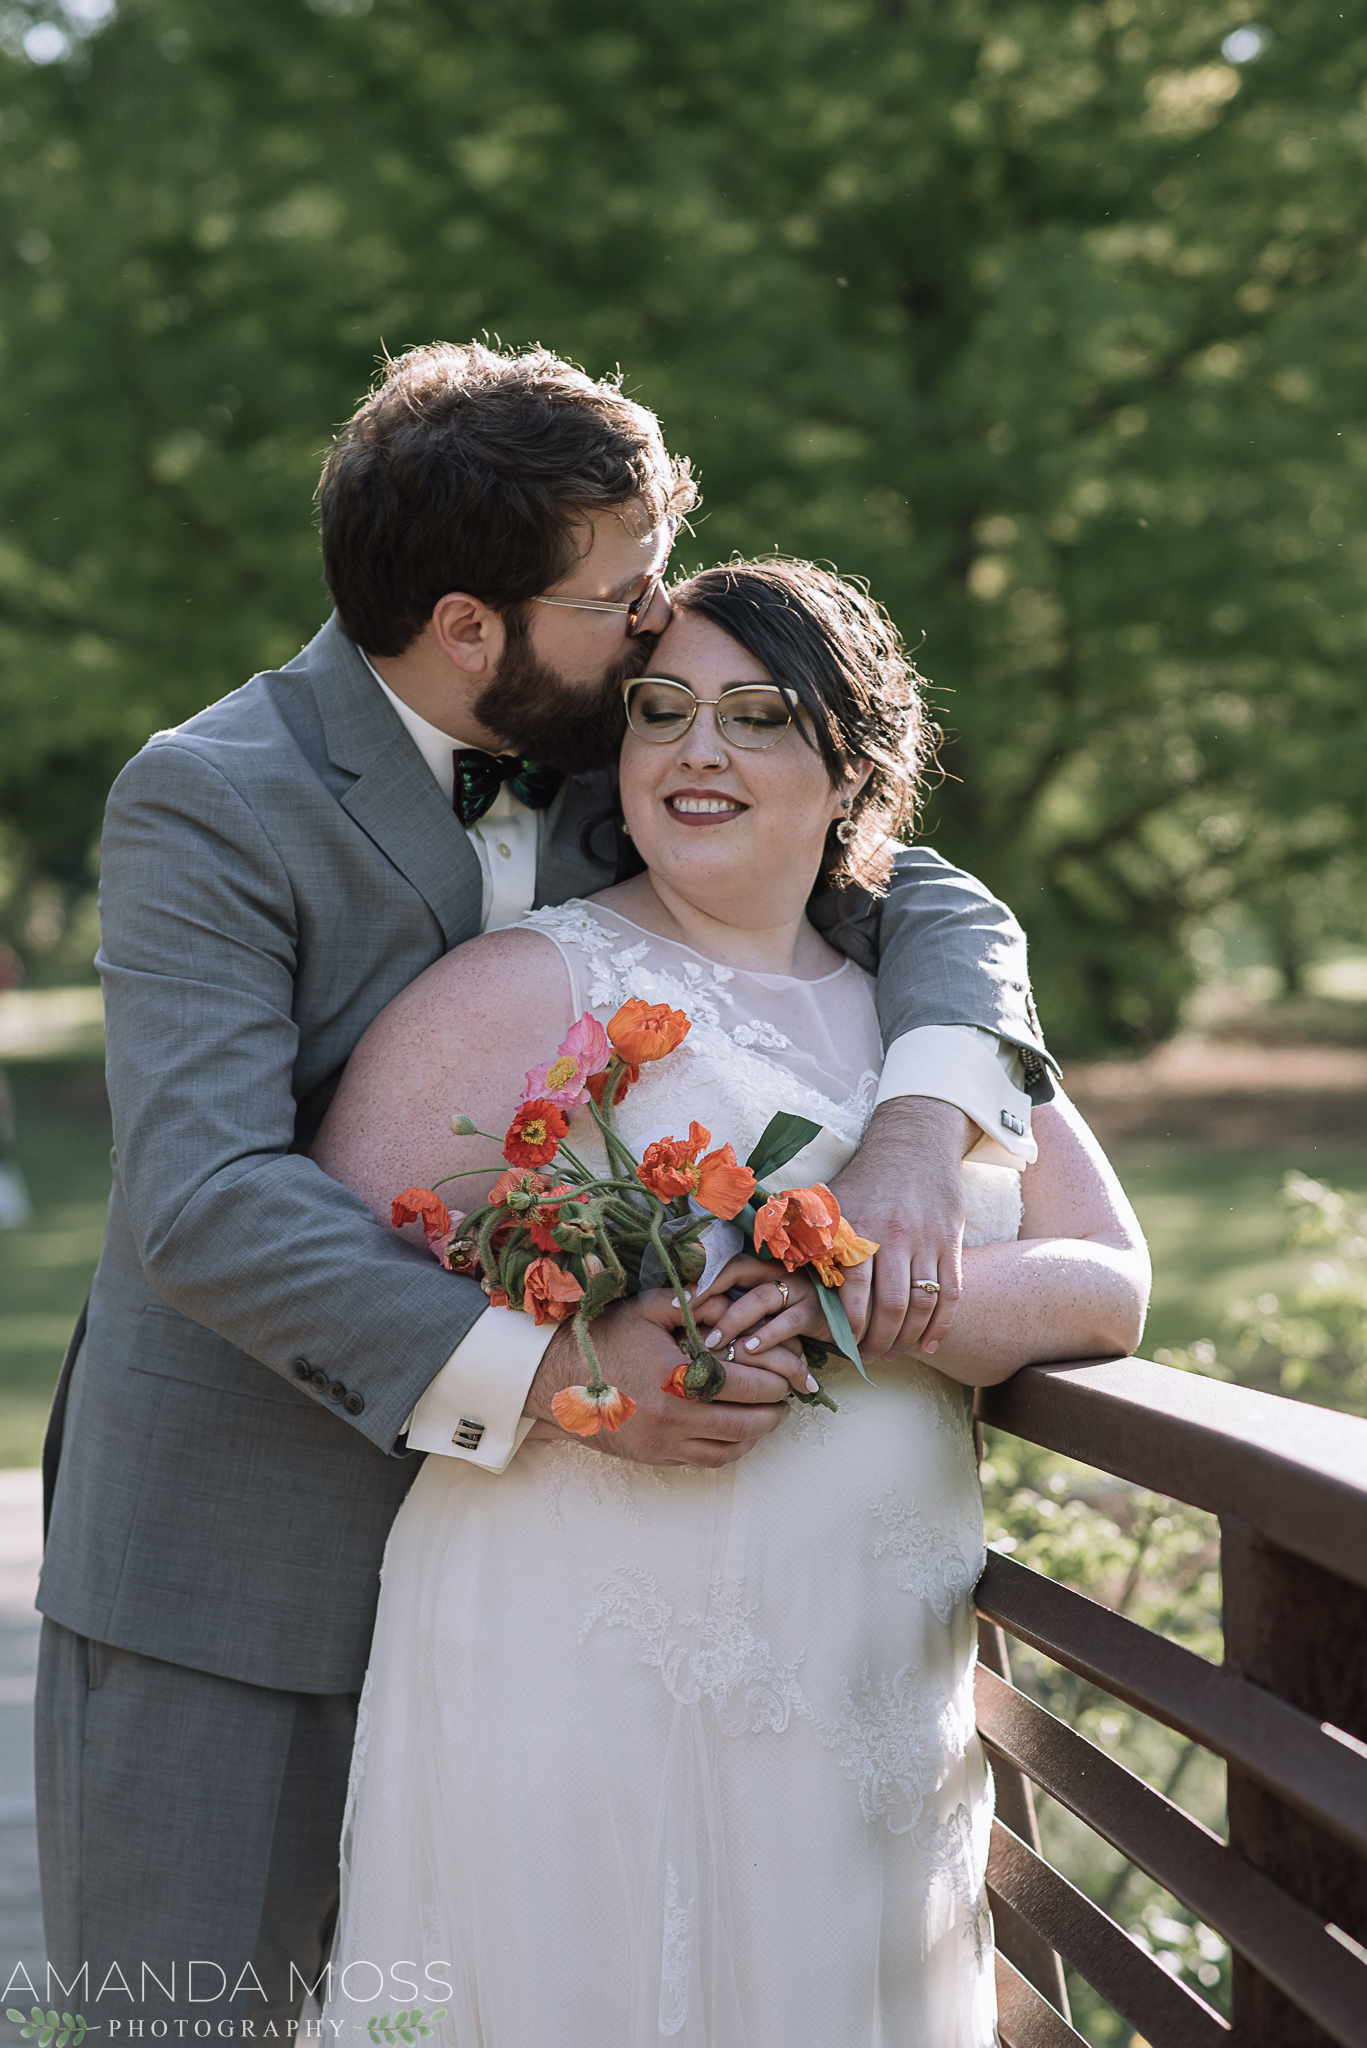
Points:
(469, 633)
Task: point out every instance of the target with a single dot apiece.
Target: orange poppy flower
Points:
(646, 1031)
(670, 1164)
(516, 1181)
(848, 1249)
(534, 1134)
(497, 1297)
(550, 1293)
(584, 1413)
(675, 1383)
(671, 1167)
(799, 1225)
(724, 1185)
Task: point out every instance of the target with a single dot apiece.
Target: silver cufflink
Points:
(467, 1436)
(1013, 1123)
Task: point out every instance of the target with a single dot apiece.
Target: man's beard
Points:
(538, 714)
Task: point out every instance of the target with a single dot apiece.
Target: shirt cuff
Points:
(976, 1071)
(473, 1408)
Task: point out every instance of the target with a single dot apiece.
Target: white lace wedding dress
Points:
(659, 1754)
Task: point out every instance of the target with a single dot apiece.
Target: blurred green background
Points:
(1046, 318)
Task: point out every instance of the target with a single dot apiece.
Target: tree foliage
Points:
(1044, 317)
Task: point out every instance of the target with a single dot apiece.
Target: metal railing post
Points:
(1301, 1632)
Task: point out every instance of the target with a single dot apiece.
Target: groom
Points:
(237, 1422)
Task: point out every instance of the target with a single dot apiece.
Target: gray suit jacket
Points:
(273, 873)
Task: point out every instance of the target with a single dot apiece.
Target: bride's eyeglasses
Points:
(750, 715)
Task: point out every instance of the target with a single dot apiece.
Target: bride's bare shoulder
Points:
(487, 982)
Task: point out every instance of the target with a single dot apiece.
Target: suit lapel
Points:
(394, 799)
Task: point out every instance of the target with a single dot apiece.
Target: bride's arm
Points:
(462, 1036)
(1074, 1284)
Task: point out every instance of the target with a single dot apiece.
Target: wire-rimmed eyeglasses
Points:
(637, 610)
(749, 715)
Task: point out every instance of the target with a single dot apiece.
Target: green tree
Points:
(1044, 317)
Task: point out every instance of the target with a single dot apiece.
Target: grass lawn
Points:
(1213, 1220)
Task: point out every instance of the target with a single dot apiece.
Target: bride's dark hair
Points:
(824, 636)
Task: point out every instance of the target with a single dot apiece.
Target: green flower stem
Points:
(695, 1343)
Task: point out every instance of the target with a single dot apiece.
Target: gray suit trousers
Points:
(134, 1893)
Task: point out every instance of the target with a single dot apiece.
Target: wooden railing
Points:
(1287, 1711)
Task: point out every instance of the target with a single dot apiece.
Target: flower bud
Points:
(462, 1126)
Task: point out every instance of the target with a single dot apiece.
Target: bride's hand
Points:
(763, 1325)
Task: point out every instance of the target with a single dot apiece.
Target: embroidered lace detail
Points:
(678, 1928)
(887, 1742)
(572, 924)
(930, 1564)
(715, 1656)
(596, 1476)
(889, 1738)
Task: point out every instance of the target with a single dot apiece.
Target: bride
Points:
(683, 1754)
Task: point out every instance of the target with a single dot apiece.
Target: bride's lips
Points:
(704, 806)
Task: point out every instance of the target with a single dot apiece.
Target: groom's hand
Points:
(903, 1188)
(637, 1353)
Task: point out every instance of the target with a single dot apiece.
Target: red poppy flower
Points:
(644, 1031)
(534, 1134)
(597, 1085)
(675, 1383)
(584, 1413)
(550, 1293)
(798, 1225)
(420, 1205)
(541, 1221)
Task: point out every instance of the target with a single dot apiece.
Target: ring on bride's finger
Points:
(782, 1286)
(927, 1286)
(731, 1352)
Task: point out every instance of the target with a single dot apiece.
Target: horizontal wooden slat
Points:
(1296, 1472)
(1024, 2019)
(1276, 1933)
(1282, 1748)
(1141, 1992)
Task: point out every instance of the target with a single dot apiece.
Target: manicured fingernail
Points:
(813, 1386)
(752, 1343)
(712, 1337)
(933, 1345)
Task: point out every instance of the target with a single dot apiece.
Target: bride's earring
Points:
(846, 829)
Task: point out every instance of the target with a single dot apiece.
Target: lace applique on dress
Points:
(596, 1476)
(930, 1564)
(715, 1656)
(572, 924)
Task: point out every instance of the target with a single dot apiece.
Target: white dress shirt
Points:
(473, 1408)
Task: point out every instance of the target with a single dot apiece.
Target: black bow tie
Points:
(480, 777)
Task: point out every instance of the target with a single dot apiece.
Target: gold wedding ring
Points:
(782, 1286)
(927, 1286)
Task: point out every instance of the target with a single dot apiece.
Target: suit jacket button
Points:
(336, 1392)
(302, 1369)
(319, 1379)
(354, 1403)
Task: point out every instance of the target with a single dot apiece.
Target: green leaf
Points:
(782, 1138)
(838, 1323)
(439, 2015)
(17, 2017)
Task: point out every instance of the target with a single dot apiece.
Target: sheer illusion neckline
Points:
(696, 953)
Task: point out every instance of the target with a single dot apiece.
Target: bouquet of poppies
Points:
(557, 1239)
